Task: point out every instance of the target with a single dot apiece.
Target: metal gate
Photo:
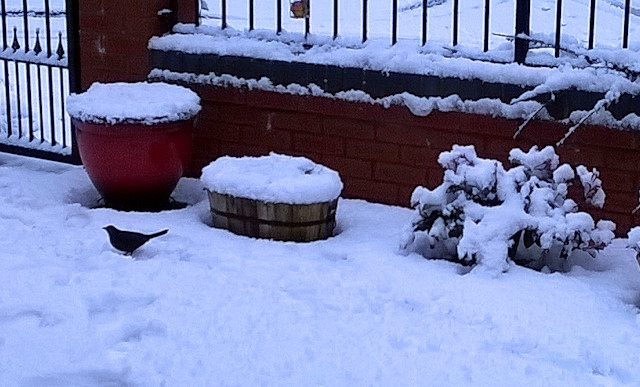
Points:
(38, 70)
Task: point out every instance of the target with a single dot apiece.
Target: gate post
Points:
(73, 47)
(114, 36)
(188, 11)
(523, 17)
(73, 64)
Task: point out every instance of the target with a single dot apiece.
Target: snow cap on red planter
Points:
(112, 103)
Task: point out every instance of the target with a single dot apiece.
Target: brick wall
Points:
(382, 154)
(114, 35)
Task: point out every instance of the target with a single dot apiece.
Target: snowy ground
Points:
(200, 306)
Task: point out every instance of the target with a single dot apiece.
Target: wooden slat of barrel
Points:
(280, 221)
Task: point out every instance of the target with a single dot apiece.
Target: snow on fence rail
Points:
(34, 76)
(480, 25)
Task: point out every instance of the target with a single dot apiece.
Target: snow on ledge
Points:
(273, 179)
(403, 57)
(145, 103)
(419, 106)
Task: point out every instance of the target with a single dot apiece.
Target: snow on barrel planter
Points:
(276, 197)
(134, 140)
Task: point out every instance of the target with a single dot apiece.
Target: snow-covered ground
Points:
(201, 306)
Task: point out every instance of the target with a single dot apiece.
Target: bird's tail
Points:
(157, 234)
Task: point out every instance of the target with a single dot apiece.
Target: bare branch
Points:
(603, 103)
(532, 116)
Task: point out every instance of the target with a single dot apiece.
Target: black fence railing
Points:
(326, 17)
(37, 73)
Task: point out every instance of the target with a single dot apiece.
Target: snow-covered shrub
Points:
(485, 215)
(633, 241)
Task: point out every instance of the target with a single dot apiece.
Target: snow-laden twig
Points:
(532, 116)
(610, 97)
(636, 209)
(538, 90)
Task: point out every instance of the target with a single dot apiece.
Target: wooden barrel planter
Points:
(257, 206)
(278, 221)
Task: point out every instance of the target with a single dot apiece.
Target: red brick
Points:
(90, 6)
(624, 160)
(349, 167)
(324, 145)
(120, 7)
(626, 181)
(418, 156)
(150, 8)
(402, 174)
(297, 121)
(541, 133)
(495, 127)
(453, 121)
(624, 223)
(399, 115)
(622, 202)
(499, 148)
(239, 150)
(240, 114)
(404, 194)
(576, 155)
(146, 23)
(135, 47)
(611, 138)
(219, 131)
(208, 114)
(445, 121)
(187, 12)
(372, 150)
(400, 134)
(91, 22)
(344, 127)
(269, 140)
(272, 100)
(222, 95)
(338, 108)
(371, 190)
(440, 141)
(119, 76)
(202, 158)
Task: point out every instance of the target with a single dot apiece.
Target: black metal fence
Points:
(519, 31)
(37, 73)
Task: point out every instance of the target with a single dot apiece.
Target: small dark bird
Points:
(129, 241)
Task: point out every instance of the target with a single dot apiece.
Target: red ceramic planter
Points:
(135, 166)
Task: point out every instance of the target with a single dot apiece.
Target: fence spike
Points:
(60, 50)
(37, 48)
(15, 45)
